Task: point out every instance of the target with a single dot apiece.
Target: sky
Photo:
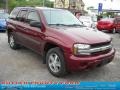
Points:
(107, 4)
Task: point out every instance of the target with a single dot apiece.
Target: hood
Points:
(2, 22)
(84, 35)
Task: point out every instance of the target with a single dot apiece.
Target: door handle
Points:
(35, 34)
(24, 28)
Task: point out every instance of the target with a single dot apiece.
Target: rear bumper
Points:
(75, 63)
(2, 28)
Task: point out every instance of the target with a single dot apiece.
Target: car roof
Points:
(41, 8)
(47, 8)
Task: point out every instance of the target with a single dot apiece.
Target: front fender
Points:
(60, 43)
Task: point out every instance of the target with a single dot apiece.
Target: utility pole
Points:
(6, 5)
(69, 4)
(43, 3)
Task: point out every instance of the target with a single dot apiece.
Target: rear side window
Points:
(33, 16)
(21, 16)
(14, 13)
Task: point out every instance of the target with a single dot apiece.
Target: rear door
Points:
(20, 25)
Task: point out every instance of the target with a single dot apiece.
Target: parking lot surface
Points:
(25, 65)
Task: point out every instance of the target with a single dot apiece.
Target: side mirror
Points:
(35, 24)
(20, 19)
(81, 21)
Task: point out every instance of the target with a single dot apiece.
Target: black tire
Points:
(62, 69)
(12, 44)
(114, 31)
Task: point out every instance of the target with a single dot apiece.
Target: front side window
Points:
(60, 17)
(33, 16)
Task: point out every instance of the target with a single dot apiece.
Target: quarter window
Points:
(21, 16)
(14, 13)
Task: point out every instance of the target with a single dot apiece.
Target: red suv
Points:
(64, 43)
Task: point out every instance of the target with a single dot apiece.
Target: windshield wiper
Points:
(68, 25)
(77, 25)
(59, 24)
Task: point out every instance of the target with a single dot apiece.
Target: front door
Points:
(33, 35)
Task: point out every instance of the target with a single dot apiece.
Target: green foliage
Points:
(107, 14)
(22, 3)
(1, 4)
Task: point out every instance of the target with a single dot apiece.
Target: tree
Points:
(2, 4)
(22, 3)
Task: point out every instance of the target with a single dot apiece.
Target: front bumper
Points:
(75, 63)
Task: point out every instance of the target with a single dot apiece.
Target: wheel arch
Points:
(48, 46)
(10, 29)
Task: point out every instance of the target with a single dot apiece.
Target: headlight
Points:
(80, 49)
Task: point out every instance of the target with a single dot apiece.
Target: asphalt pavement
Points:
(25, 65)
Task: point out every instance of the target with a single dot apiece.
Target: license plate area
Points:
(105, 61)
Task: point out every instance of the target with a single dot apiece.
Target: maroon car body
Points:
(64, 37)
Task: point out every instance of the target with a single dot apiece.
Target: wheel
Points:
(12, 42)
(114, 31)
(55, 62)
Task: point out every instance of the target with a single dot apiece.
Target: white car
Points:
(88, 21)
(94, 23)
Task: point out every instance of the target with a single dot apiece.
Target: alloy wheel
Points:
(54, 62)
(114, 31)
(12, 42)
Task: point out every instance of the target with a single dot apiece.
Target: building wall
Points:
(59, 4)
(70, 4)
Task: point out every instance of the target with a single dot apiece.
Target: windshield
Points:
(60, 17)
(4, 16)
